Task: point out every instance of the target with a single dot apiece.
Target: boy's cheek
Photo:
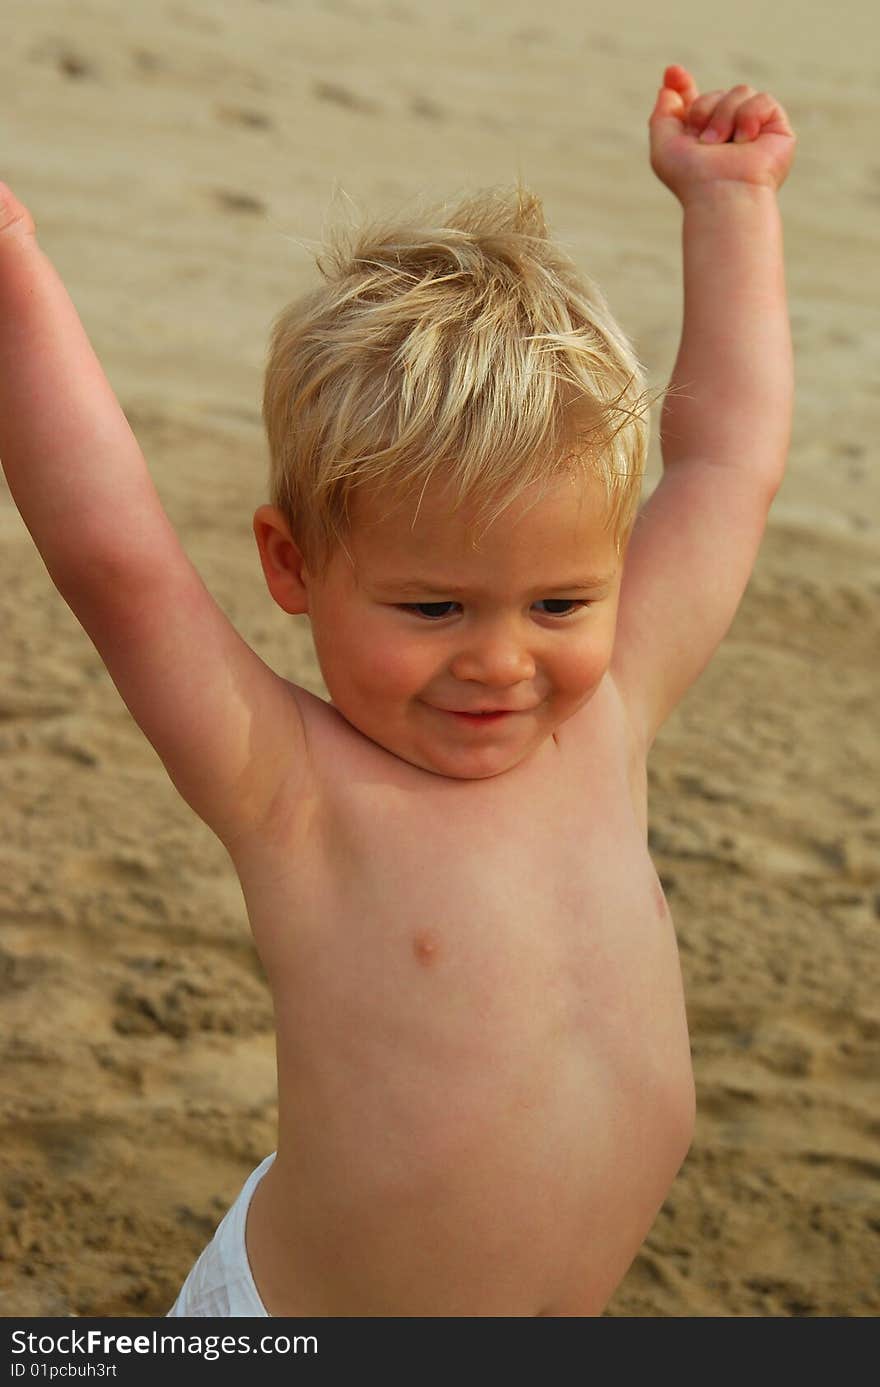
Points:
(385, 668)
(597, 658)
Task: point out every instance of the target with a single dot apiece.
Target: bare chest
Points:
(478, 1002)
(470, 912)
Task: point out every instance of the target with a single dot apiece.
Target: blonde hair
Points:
(464, 348)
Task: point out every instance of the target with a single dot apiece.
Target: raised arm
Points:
(227, 729)
(726, 420)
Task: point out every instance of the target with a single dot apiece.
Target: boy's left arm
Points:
(726, 420)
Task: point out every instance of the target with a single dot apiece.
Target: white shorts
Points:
(221, 1282)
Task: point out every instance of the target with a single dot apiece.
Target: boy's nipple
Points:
(426, 947)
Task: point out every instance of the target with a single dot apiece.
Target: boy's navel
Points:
(426, 947)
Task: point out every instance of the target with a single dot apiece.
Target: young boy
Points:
(484, 1077)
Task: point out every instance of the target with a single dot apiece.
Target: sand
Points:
(179, 159)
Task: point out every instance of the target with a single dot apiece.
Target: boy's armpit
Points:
(227, 728)
(689, 559)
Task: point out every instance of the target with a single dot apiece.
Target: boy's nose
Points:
(495, 660)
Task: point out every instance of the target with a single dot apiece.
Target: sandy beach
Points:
(181, 160)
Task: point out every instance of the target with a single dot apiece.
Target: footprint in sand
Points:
(232, 201)
(339, 95)
(65, 58)
(244, 116)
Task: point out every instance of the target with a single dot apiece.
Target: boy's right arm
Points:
(227, 729)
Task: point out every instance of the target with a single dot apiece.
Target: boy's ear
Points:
(283, 563)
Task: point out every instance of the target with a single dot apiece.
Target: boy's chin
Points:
(452, 759)
(467, 763)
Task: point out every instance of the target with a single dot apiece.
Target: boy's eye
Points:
(573, 603)
(436, 611)
(429, 610)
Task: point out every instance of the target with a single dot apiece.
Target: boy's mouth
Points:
(493, 716)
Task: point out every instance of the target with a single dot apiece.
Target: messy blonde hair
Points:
(464, 347)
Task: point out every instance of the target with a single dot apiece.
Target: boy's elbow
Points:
(769, 473)
(83, 569)
(103, 557)
(777, 464)
(768, 459)
(102, 581)
(96, 587)
(774, 482)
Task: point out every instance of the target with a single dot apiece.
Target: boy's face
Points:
(425, 628)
